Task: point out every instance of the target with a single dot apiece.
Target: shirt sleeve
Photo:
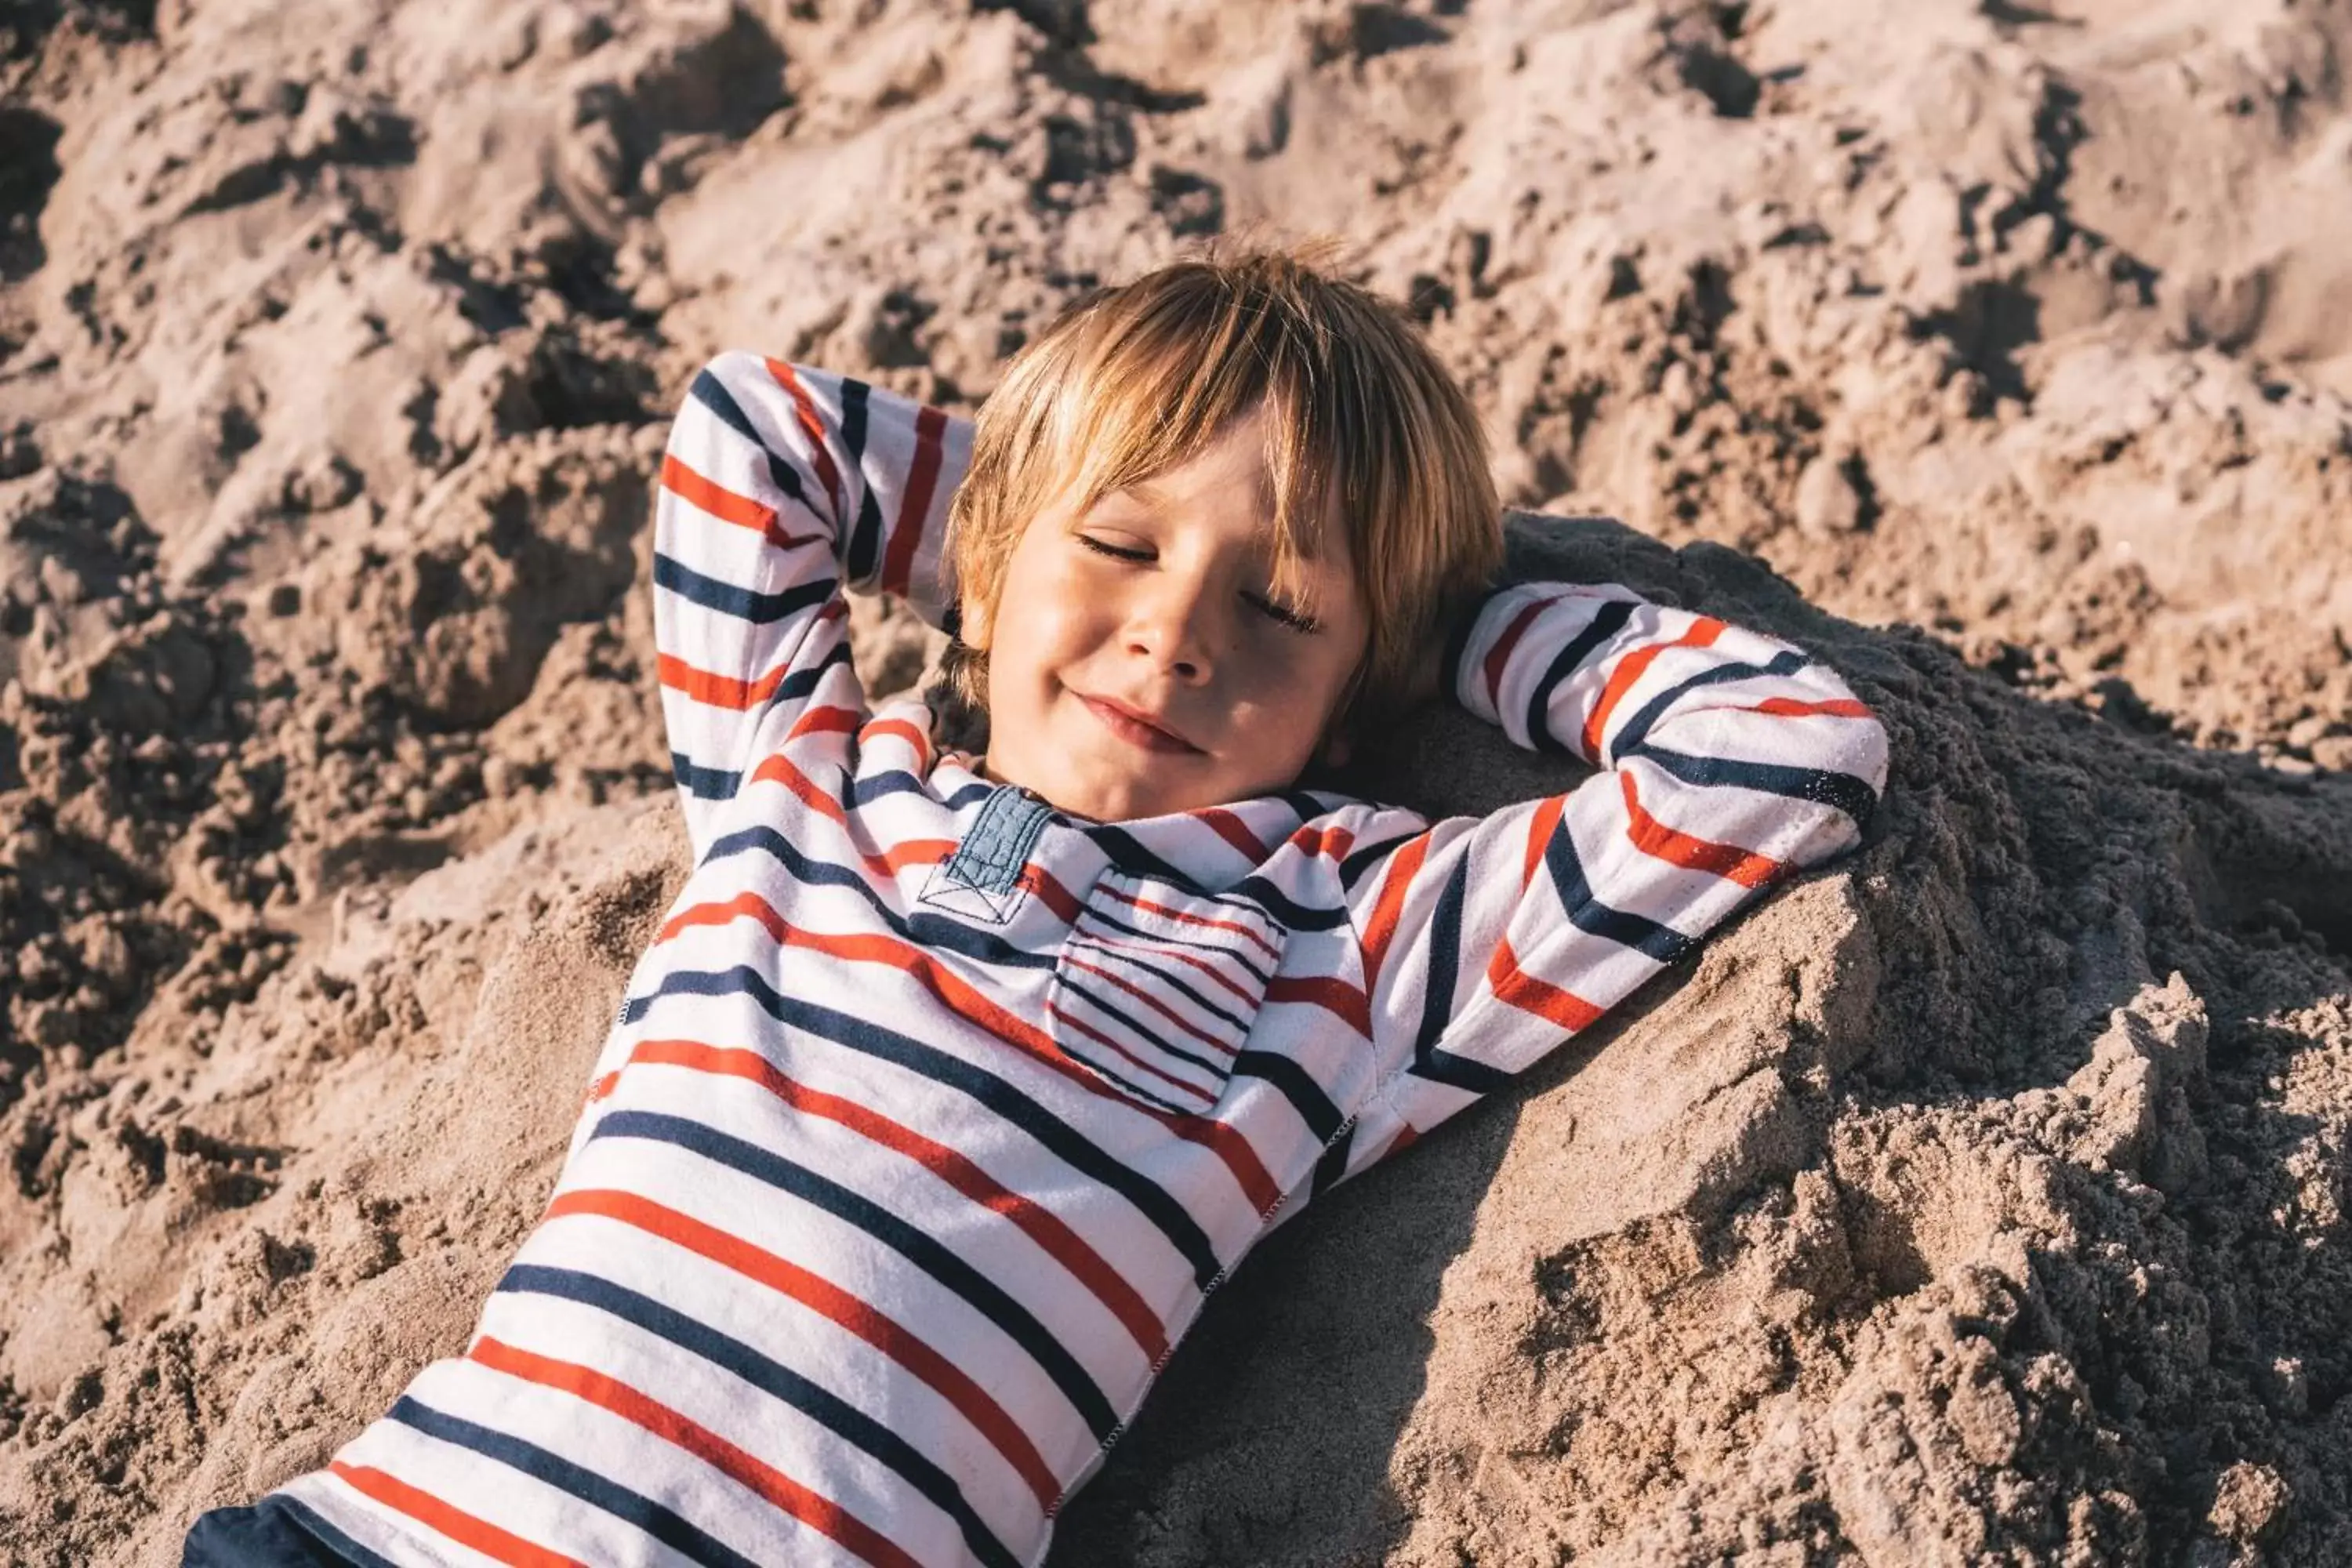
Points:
(781, 487)
(1727, 763)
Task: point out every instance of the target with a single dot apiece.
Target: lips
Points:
(1136, 727)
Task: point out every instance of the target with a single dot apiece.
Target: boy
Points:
(953, 1085)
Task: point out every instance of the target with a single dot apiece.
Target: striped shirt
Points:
(933, 1114)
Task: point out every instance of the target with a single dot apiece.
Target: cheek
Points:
(1047, 627)
(1295, 691)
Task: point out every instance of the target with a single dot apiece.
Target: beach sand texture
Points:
(1983, 1200)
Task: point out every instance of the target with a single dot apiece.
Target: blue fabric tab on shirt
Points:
(990, 857)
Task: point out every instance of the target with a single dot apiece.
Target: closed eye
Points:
(1280, 614)
(1283, 614)
(1114, 551)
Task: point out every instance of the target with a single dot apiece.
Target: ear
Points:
(972, 628)
(1336, 752)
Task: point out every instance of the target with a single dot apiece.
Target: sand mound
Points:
(1983, 1200)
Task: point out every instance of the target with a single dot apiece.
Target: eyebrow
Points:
(1150, 493)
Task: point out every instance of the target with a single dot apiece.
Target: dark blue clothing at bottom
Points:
(276, 1533)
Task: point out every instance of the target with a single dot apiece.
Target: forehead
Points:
(1231, 477)
(1230, 468)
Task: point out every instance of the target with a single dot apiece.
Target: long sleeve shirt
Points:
(934, 1115)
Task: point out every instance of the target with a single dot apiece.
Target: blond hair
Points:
(1363, 426)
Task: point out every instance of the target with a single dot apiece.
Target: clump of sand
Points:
(1982, 1200)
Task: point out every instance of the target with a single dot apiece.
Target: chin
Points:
(1123, 805)
(1114, 802)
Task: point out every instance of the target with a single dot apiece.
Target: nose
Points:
(1170, 626)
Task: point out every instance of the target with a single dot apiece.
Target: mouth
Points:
(1138, 728)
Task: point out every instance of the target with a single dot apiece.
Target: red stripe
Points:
(1156, 1004)
(826, 721)
(1127, 944)
(1500, 653)
(751, 906)
(1540, 828)
(1702, 633)
(1381, 929)
(1131, 902)
(900, 730)
(1058, 1241)
(778, 769)
(727, 506)
(721, 503)
(820, 1295)
(454, 1524)
(1090, 1032)
(1058, 899)
(819, 1512)
(1743, 867)
(813, 428)
(1790, 707)
(951, 990)
(717, 691)
(1336, 997)
(1236, 832)
(1336, 842)
(1515, 986)
(1230, 1147)
(915, 506)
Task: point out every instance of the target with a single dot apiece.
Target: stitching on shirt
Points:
(982, 878)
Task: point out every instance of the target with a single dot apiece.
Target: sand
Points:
(1982, 1200)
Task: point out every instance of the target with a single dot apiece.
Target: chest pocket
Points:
(1156, 988)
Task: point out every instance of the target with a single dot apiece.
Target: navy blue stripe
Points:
(1128, 853)
(701, 783)
(1843, 791)
(1297, 1086)
(1606, 623)
(1372, 856)
(1333, 1166)
(1250, 895)
(712, 393)
(1637, 729)
(871, 787)
(1155, 1038)
(1057, 1137)
(1082, 1052)
(924, 928)
(1460, 1072)
(1172, 982)
(1307, 805)
(1429, 1060)
(1444, 957)
(1263, 976)
(744, 604)
(774, 1379)
(800, 684)
(864, 556)
(574, 1480)
(1234, 898)
(1296, 916)
(1590, 914)
(719, 784)
(984, 1294)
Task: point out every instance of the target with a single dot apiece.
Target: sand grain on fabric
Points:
(1983, 1200)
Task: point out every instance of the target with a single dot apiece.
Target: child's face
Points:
(1138, 663)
